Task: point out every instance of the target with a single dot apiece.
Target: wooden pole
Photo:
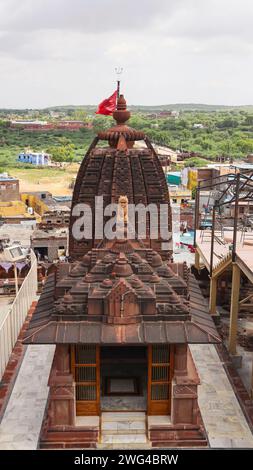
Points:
(213, 295)
(197, 260)
(234, 308)
(196, 218)
(16, 277)
(236, 215)
(212, 241)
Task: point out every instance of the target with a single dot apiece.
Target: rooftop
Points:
(6, 177)
(49, 233)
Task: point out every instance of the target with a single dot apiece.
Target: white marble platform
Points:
(21, 423)
(225, 423)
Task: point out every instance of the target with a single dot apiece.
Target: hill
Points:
(140, 108)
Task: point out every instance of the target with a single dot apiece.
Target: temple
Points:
(121, 314)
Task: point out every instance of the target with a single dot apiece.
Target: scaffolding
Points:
(229, 189)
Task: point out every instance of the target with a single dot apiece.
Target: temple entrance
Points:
(123, 378)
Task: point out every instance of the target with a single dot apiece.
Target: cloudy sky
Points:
(55, 52)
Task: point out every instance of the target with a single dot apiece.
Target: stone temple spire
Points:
(122, 173)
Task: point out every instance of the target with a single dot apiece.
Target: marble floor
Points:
(122, 376)
(21, 423)
(223, 418)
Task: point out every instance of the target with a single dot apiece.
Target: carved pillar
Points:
(180, 360)
(184, 402)
(184, 388)
(62, 407)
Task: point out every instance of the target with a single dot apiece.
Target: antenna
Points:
(118, 71)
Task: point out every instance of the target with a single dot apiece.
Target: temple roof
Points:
(200, 329)
(121, 291)
(109, 297)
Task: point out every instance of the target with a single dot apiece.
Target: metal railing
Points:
(13, 320)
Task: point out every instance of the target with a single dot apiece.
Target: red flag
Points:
(108, 105)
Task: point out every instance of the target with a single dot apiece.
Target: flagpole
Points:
(118, 88)
(118, 71)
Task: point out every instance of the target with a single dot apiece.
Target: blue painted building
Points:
(35, 158)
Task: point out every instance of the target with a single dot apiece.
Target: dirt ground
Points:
(55, 180)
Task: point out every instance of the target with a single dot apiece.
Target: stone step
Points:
(123, 416)
(120, 446)
(124, 439)
(123, 427)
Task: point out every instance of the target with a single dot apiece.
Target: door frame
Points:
(87, 407)
(159, 407)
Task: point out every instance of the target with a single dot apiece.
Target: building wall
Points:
(52, 245)
(34, 158)
(9, 190)
(34, 201)
(246, 209)
(56, 219)
(180, 196)
(207, 173)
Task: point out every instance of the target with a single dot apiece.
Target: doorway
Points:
(123, 378)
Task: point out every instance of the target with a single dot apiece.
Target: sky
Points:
(59, 52)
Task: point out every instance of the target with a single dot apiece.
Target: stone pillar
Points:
(184, 388)
(180, 360)
(234, 309)
(213, 296)
(184, 402)
(62, 406)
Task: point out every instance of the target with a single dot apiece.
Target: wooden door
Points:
(85, 362)
(160, 369)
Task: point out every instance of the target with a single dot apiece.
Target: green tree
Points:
(62, 153)
(102, 123)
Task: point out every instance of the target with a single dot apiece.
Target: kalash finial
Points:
(121, 114)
